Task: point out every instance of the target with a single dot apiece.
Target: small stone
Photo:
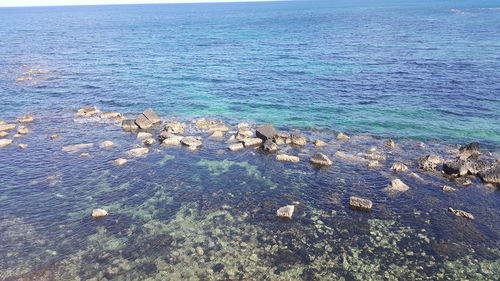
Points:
(372, 149)
(26, 118)
(321, 159)
(106, 144)
(76, 147)
(342, 136)
(3, 134)
(360, 203)
(53, 137)
(217, 134)
(109, 115)
(270, 146)
(144, 135)
(175, 140)
(192, 142)
(399, 167)
(285, 212)
(22, 145)
(120, 161)
(87, 111)
(85, 154)
(138, 151)
(447, 188)
(461, 213)
(16, 136)
(199, 251)
(252, 142)
(265, 132)
(319, 143)
(5, 142)
(287, 158)
(236, 147)
(298, 140)
(397, 185)
(149, 141)
(7, 127)
(373, 164)
(99, 213)
(390, 143)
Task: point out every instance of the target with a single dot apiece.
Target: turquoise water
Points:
(389, 68)
(372, 69)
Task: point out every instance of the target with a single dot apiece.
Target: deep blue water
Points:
(409, 69)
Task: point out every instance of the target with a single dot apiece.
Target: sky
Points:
(21, 3)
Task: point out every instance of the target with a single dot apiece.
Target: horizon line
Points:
(121, 2)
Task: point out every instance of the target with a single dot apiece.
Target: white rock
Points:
(22, 145)
(107, 144)
(26, 118)
(120, 161)
(99, 213)
(76, 147)
(144, 135)
(7, 127)
(138, 151)
(397, 185)
(285, 212)
(252, 142)
(236, 147)
(5, 142)
(287, 158)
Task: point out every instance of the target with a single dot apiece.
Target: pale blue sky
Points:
(17, 3)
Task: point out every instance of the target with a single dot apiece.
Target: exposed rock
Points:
(252, 142)
(399, 167)
(175, 128)
(281, 138)
(3, 122)
(319, 143)
(149, 141)
(461, 213)
(152, 116)
(217, 134)
(16, 136)
(447, 188)
(76, 147)
(144, 135)
(143, 122)
(192, 142)
(53, 137)
(7, 127)
(87, 111)
(236, 147)
(5, 142)
(26, 118)
(99, 213)
(203, 123)
(472, 165)
(287, 158)
(456, 166)
(463, 181)
(377, 157)
(360, 203)
(298, 139)
(270, 146)
(390, 143)
(373, 164)
(471, 148)
(429, 162)
(138, 151)
(415, 175)
(3, 134)
(106, 144)
(108, 115)
(22, 145)
(321, 159)
(129, 125)
(231, 139)
(342, 136)
(397, 185)
(120, 161)
(218, 128)
(85, 154)
(244, 133)
(285, 212)
(491, 175)
(171, 140)
(372, 149)
(265, 132)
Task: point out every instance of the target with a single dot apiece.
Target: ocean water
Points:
(424, 74)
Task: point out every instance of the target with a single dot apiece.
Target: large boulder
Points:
(321, 159)
(265, 132)
(397, 185)
(129, 125)
(285, 212)
(152, 116)
(191, 142)
(472, 165)
(170, 139)
(99, 213)
(429, 162)
(87, 111)
(147, 119)
(359, 203)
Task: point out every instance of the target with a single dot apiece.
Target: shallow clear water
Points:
(374, 70)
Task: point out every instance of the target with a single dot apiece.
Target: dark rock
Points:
(360, 203)
(473, 146)
(473, 165)
(152, 116)
(129, 125)
(429, 162)
(270, 146)
(491, 175)
(265, 132)
(456, 166)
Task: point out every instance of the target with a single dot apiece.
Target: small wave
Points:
(459, 12)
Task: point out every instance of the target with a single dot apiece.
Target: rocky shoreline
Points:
(463, 163)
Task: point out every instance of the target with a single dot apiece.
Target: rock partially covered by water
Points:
(243, 132)
(217, 134)
(120, 161)
(297, 139)
(175, 128)
(252, 142)
(472, 165)
(321, 159)
(399, 167)
(397, 185)
(5, 142)
(168, 139)
(26, 118)
(149, 142)
(144, 135)
(77, 147)
(99, 213)
(461, 213)
(390, 143)
(285, 212)
(429, 162)
(236, 147)
(7, 127)
(270, 146)
(106, 144)
(87, 111)
(147, 119)
(265, 132)
(319, 143)
(22, 145)
(138, 151)
(129, 125)
(473, 148)
(360, 203)
(109, 115)
(447, 188)
(491, 175)
(3, 134)
(342, 136)
(192, 142)
(287, 158)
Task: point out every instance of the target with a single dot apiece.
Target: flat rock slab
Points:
(265, 132)
(287, 158)
(5, 142)
(26, 118)
(120, 161)
(144, 135)
(321, 159)
(138, 151)
(99, 213)
(172, 140)
(191, 141)
(359, 203)
(106, 144)
(129, 125)
(7, 127)
(143, 122)
(152, 116)
(236, 147)
(77, 147)
(251, 142)
(461, 213)
(285, 212)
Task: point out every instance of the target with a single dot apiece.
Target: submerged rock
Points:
(120, 161)
(321, 159)
(298, 139)
(218, 128)
(236, 147)
(7, 127)
(149, 141)
(319, 143)
(397, 185)
(265, 132)
(252, 142)
(175, 128)
(342, 136)
(22, 145)
(138, 151)
(106, 144)
(270, 146)
(217, 134)
(373, 164)
(349, 157)
(399, 167)
(373, 156)
(5, 142)
(447, 188)
(429, 162)
(285, 212)
(53, 137)
(360, 203)
(76, 147)
(390, 143)
(99, 213)
(129, 125)
(287, 158)
(461, 213)
(26, 118)
(87, 111)
(491, 175)
(85, 154)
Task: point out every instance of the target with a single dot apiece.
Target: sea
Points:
(425, 74)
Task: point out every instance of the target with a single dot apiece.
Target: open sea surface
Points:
(423, 73)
